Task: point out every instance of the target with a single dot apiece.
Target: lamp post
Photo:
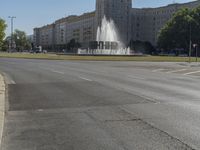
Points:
(196, 53)
(196, 48)
(11, 18)
(190, 50)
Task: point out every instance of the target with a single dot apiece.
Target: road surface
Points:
(87, 105)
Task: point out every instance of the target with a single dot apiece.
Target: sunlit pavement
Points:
(85, 105)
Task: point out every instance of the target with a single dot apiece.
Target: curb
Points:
(2, 106)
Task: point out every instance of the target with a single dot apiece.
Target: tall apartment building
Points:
(45, 36)
(147, 22)
(57, 35)
(133, 23)
(117, 10)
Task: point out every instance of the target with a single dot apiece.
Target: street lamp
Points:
(195, 46)
(190, 36)
(12, 18)
(190, 48)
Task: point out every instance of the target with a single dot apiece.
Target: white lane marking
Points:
(85, 79)
(57, 72)
(12, 82)
(134, 77)
(8, 79)
(174, 71)
(189, 73)
(156, 70)
(40, 110)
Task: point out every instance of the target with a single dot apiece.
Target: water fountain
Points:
(108, 32)
(107, 42)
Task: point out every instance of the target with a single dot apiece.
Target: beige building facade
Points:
(117, 10)
(57, 35)
(146, 23)
(133, 23)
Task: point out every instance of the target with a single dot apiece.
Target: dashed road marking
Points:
(40, 110)
(85, 79)
(12, 81)
(189, 73)
(57, 72)
(175, 71)
(156, 70)
(134, 77)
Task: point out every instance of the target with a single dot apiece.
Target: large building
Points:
(117, 10)
(141, 24)
(57, 35)
(147, 22)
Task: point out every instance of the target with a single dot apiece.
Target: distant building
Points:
(117, 10)
(137, 24)
(147, 22)
(30, 38)
(57, 35)
(45, 36)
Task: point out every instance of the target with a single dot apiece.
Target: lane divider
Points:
(189, 73)
(175, 71)
(156, 70)
(59, 72)
(85, 79)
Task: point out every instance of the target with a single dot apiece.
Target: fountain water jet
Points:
(107, 41)
(108, 32)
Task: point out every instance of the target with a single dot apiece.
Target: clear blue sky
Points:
(36, 13)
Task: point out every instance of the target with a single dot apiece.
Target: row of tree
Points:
(19, 38)
(143, 47)
(181, 31)
(2, 33)
(73, 45)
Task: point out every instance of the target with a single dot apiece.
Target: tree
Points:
(176, 33)
(5, 45)
(72, 46)
(21, 40)
(196, 25)
(2, 32)
(140, 46)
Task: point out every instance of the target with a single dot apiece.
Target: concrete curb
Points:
(2, 105)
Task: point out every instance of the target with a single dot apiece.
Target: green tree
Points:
(5, 45)
(2, 32)
(21, 40)
(140, 46)
(176, 33)
(196, 25)
(72, 46)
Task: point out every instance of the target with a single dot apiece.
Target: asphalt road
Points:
(83, 105)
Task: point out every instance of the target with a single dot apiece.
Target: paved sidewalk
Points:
(2, 105)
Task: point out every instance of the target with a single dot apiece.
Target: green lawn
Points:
(97, 58)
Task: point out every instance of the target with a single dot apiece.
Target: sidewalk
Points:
(2, 105)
